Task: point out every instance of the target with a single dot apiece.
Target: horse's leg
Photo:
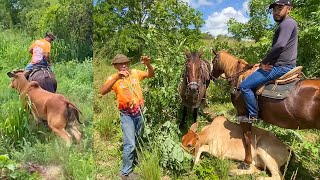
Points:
(247, 133)
(195, 114)
(184, 115)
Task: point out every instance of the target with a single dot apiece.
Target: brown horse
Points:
(195, 82)
(45, 77)
(300, 110)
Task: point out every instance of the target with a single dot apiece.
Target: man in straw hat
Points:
(40, 50)
(126, 84)
(278, 61)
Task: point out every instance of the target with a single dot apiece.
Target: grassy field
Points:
(108, 140)
(31, 150)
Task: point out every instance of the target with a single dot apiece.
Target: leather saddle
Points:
(280, 88)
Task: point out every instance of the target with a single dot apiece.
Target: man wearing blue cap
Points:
(279, 60)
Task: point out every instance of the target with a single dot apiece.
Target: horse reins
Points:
(231, 78)
(236, 75)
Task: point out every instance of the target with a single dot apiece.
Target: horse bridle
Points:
(193, 83)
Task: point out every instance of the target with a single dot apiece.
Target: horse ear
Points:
(10, 74)
(194, 127)
(187, 52)
(200, 52)
(214, 52)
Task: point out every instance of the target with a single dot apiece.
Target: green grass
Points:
(26, 141)
(108, 141)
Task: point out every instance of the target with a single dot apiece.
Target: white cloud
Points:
(245, 6)
(199, 3)
(217, 22)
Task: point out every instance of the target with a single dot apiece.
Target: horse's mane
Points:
(229, 62)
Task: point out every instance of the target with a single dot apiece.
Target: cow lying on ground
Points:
(223, 139)
(54, 108)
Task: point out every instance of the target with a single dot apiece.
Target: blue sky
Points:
(216, 13)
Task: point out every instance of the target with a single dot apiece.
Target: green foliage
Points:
(71, 22)
(258, 24)
(25, 141)
(14, 122)
(9, 170)
(205, 170)
(126, 26)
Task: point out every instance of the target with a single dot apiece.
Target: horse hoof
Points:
(244, 165)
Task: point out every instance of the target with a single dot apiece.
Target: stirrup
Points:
(249, 119)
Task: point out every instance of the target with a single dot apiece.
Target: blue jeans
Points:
(43, 62)
(131, 130)
(256, 79)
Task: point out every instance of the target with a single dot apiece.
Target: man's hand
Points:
(145, 60)
(123, 74)
(266, 67)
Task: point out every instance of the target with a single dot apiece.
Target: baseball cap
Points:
(281, 2)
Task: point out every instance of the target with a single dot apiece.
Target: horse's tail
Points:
(72, 113)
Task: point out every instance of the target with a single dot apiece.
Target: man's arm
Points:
(110, 82)
(150, 73)
(108, 86)
(285, 31)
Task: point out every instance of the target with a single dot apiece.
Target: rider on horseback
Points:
(279, 60)
(40, 50)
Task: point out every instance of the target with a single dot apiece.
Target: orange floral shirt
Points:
(128, 92)
(40, 47)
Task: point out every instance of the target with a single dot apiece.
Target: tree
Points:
(126, 26)
(258, 25)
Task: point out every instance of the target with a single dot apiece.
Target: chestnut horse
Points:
(196, 79)
(300, 110)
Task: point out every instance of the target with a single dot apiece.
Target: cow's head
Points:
(190, 139)
(18, 79)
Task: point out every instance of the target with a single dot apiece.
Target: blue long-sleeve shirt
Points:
(284, 45)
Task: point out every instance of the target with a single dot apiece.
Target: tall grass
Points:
(26, 142)
(14, 122)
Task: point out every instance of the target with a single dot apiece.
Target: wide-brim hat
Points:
(120, 58)
(51, 35)
(281, 2)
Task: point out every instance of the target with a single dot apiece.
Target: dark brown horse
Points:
(196, 79)
(300, 110)
(45, 78)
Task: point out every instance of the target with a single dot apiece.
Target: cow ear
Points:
(10, 74)
(194, 127)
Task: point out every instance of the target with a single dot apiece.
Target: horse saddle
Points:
(46, 72)
(280, 88)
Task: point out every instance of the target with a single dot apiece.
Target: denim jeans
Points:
(43, 62)
(131, 130)
(256, 79)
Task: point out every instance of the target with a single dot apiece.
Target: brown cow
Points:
(223, 139)
(54, 108)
